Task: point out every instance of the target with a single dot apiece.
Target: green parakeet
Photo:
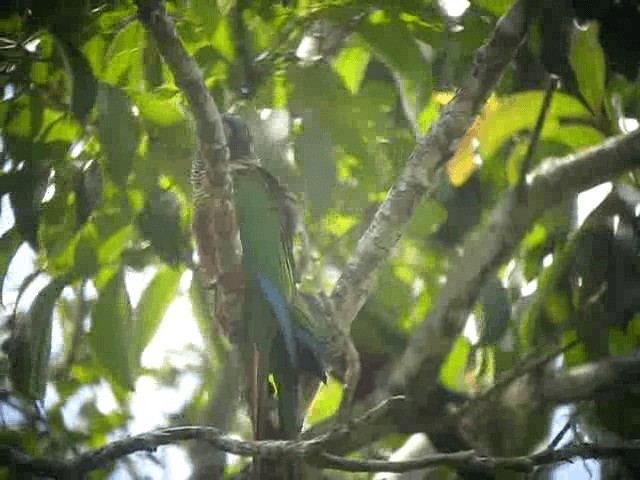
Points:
(277, 336)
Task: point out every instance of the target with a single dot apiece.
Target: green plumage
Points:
(276, 329)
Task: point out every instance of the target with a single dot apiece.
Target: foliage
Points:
(96, 146)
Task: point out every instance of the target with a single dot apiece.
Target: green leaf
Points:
(392, 41)
(516, 113)
(152, 63)
(30, 347)
(207, 13)
(588, 62)
(111, 336)
(225, 6)
(64, 130)
(557, 306)
(94, 52)
(326, 402)
(454, 367)
(160, 110)
(110, 250)
(161, 223)
(153, 305)
(125, 55)
(315, 152)
(9, 243)
(351, 64)
(223, 40)
(85, 256)
(25, 117)
(497, 7)
(119, 132)
(83, 85)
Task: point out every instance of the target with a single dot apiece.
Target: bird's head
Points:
(238, 137)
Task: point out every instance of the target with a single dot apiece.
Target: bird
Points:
(277, 336)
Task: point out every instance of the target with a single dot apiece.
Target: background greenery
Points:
(96, 145)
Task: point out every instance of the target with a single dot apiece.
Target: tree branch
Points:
(310, 451)
(431, 152)
(225, 248)
(416, 372)
(553, 182)
(591, 380)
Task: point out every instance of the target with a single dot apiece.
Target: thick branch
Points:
(431, 152)
(591, 379)
(554, 181)
(226, 250)
(417, 371)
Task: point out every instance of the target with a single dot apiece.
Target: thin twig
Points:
(552, 85)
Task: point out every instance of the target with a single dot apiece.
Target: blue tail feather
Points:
(280, 308)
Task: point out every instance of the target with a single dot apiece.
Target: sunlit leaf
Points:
(111, 335)
(159, 110)
(111, 249)
(326, 402)
(222, 39)
(351, 64)
(497, 7)
(588, 62)
(94, 52)
(125, 54)
(25, 117)
(65, 129)
(452, 372)
(154, 302)
(503, 118)
(463, 164)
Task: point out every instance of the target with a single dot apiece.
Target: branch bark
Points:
(553, 182)
(225, 251)
(309, 451)
(591, 380)
(576, 384)
(431, 152)
(416, 373)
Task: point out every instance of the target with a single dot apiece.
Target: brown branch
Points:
(223, 229)
(589, 380)
(431, 152)
(310, 451)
